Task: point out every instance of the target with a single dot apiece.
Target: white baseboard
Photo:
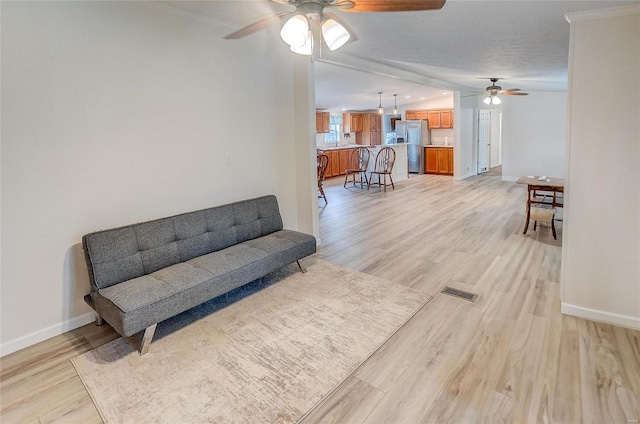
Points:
(601, 316)
(46, 333)
(463, 177)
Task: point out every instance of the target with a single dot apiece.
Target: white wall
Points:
(120, 112)
(601, 242)
(533, 134)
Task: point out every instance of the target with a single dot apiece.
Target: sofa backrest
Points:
(120, 254)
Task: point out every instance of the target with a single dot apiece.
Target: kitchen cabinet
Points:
(375, 130)
(438, 119)
(352, 122)
(344, 155)
(323, 122)
(446, 119)
(338, 162)
(416, 114)
(434, 119)
(372, 131)
(439, 160)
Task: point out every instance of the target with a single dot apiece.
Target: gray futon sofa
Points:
(144, 273)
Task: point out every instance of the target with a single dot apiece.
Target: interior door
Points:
(484, 144)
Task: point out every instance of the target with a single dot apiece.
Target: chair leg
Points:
(385, 182)
(526, 224)
(553, 229)
(345, 180)
(99, 319)
(392, 186)
(535, 224)
(370, 181)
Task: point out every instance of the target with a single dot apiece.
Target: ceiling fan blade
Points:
(353, 37)
(510, 90)
(256, 26)
(515, 93)
(395, 5)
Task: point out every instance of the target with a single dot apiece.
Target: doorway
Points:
(490, 141)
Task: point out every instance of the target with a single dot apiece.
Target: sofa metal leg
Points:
(303, 270)
(146, 339)
(99, 320)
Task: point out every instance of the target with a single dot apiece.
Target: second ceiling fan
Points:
(309, 22)
(493, 90)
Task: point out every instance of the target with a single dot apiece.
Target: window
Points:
(335, 127)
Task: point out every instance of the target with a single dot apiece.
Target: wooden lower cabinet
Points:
(338, 162)
(439, 160)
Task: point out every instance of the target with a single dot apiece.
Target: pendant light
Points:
(380, 108)
(395, 104)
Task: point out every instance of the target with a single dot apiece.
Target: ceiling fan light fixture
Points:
(334, 34)
(295, 31)
(496, 100)
(307, 48)
(487, 100)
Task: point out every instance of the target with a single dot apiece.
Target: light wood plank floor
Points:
(508, 357)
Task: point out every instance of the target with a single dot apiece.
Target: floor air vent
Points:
(471, 297)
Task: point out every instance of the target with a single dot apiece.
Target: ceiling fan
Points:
(309, 21)
(493, 90)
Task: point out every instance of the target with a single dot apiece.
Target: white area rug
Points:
(270, 357)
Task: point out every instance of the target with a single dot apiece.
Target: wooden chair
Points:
(383, 165)
(538, 214)
(358, 163)
(323, 162)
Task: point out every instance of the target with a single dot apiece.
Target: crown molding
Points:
(604, 13)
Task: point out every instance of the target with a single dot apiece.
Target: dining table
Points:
(542, 190)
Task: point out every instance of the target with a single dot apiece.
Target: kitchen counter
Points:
(342, 147)
(401, 165)
(438, 145)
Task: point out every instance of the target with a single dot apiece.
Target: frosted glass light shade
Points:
(496, 100)
(487, 100)
(294, 31)
(334, 34)
(307, 48)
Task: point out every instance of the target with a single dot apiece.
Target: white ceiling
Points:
(524, 43)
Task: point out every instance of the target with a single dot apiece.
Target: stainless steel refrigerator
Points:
(416, 134)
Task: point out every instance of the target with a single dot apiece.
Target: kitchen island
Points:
(339, 160)
(400, 167)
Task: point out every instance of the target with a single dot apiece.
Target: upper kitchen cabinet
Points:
(371, 134)
(416, 114)
(323, 120)
(353, 122)
(438, 119)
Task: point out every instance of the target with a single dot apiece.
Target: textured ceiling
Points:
(525, 43)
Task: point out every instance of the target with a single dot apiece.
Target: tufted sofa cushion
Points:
(124, 253)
